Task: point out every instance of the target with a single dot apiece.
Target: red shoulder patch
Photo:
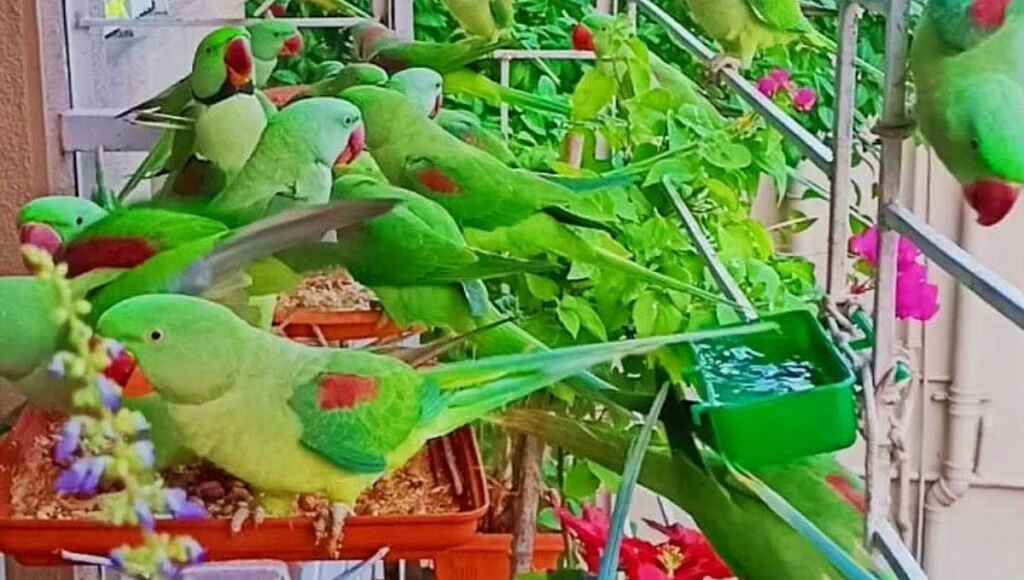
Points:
(989, 14)
(436, 181)
(853, 497)
(346, 391)
(95, 253)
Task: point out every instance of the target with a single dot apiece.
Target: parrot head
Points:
(223, 64)
(365, 37)
(160, 333)
(333, 128)
(423, 86)
(583, 34)
(50, 222)
(273, 38)
(962, 24)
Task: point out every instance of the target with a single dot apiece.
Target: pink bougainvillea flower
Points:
(775, 82)
(916, 299)
(804, 100)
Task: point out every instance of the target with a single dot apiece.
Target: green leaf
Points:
(589, 318)
(580, 482)
(653, 315)
(283, 76)
(727, 155)
(569, 318)
(726, 315)
(548, 521)
(677, 169)
(594, 92)
(610, 480)
(544, 289)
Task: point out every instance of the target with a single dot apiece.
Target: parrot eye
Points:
(349, 120)
(79, 220)
(156, 335)
(974, 144)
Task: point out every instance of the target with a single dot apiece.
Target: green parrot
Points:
(221, 119)
(485, 18)
(968, 100)
(357, 73)
(291, 164)
(424, 87)
(221, 255)
(50, 222)
(744, 27)
(469, 129)
(291, 419)
(749, 536)
(373, 42)
(273, 40)
(480, 192)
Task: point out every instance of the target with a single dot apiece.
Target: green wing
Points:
(361, 409)
(161, 228)
(779, 14)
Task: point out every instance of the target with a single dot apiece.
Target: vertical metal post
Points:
(82, 72)
(505, 70)
(893, 130)
(842, 160)
(402, 18)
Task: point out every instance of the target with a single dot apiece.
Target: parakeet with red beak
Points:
(49, 223)
(291, 419)
(969, 80)
(273, 40)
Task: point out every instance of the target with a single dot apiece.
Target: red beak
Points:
(41, 236)
(292, 47)
(238, 59)
(277, 10)
(991, 199)
(437, 106)
(356, 145)
(582, 38)
(121, 368)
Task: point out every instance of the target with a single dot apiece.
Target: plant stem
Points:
(526, 506)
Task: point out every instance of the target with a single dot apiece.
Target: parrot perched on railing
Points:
(969, 82)
(488, 19)
(291, 419)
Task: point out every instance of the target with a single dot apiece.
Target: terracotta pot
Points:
(336, 326)
(39, 542)
(488, 557)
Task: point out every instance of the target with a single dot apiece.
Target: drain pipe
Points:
(965, 400)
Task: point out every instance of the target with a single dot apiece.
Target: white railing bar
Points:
(90, 129)
(965, 268)
(816, 151)
(529, 54)
(719, 272)
(89, 22)
(842, 137)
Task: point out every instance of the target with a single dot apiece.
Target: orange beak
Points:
(356, 145)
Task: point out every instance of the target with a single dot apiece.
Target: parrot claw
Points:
(243, 515)
(722, 62)
(339, 513)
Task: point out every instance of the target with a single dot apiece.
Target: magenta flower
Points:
(804, 100)
(775, 82)
(916, 299)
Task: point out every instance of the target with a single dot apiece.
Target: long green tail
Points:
(153, 163)
(509, 378)
(469, 83)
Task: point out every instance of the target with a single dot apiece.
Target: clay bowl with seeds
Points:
(433, 504)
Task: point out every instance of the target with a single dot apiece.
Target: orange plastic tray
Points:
(39, 542)
(489, 557)
(336, 326)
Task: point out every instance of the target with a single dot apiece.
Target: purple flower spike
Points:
(144, 514)
(145, 452)
(110, 393)
(83, 477)
(181, 508)
(167, 568)
(194, 551)
(113, 348)
(56, 367)
(70, 440)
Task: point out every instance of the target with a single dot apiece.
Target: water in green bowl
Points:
(740, 373)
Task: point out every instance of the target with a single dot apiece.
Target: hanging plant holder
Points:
(775, 396)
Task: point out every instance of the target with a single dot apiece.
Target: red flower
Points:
(591, 530)
(699, 558)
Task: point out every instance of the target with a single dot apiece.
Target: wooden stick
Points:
(526, 508)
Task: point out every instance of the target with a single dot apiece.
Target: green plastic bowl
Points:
(778, 427)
